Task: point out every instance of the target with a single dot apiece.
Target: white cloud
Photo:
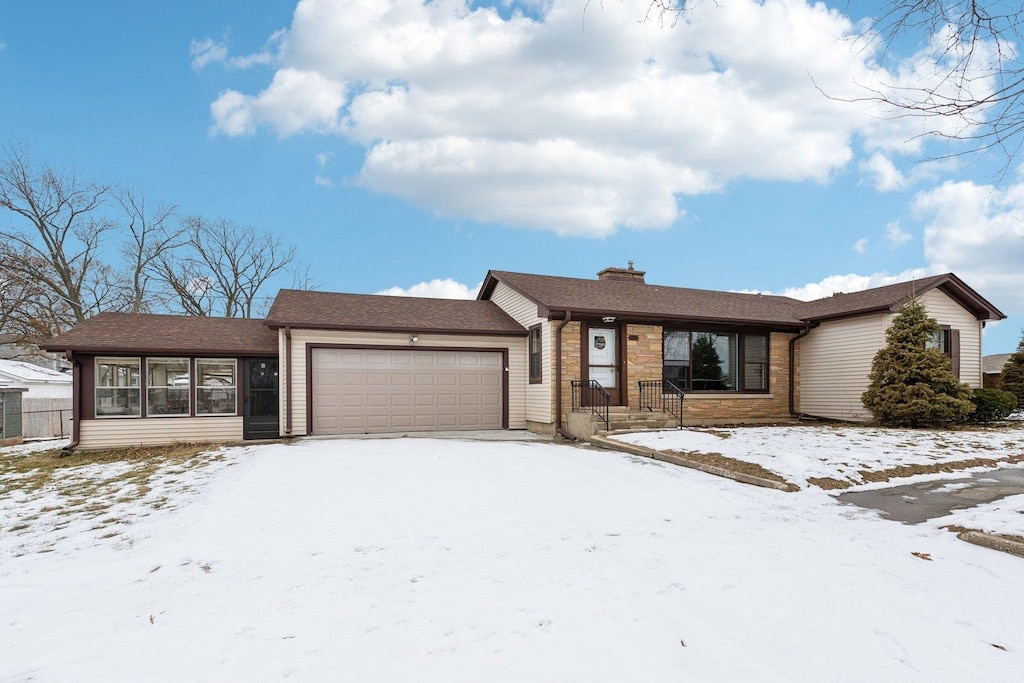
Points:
(883, 173)
(322, 158)
(861, 246)
(436, 289)
(294, 101)
(208, 51)
(322, 181)
(896, 236)
(205, 52)
(977, 231)
(537, 121)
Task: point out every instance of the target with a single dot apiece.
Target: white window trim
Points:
(96, 386)
(199, 386)
(188, 391)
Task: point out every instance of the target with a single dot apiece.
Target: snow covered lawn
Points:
(430, 560)
(840, 455)
(1004, 517)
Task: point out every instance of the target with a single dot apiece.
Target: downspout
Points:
(792, 369)
(76, 401)
(558, 377)
(287, 382)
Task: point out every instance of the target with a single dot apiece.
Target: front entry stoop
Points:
(584, 425)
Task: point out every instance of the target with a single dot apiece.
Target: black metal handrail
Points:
(661, 396)
(591, 395)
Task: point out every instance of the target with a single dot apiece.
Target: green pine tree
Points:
(707, 364)
(1012, 379)
(913, 385)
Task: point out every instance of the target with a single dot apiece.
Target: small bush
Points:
(992, 405)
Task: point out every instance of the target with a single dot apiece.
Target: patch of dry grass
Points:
(35, 470)
(90, 484)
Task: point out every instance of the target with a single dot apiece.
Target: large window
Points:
(167, 387)
(715, 361)
(536, 359)
(215, 387)
(118, 387)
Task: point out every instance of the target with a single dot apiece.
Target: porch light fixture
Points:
(413, 339)
(608, 318)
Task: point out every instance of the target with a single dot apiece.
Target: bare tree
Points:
(975, 42)
(222, 268)
(150, 237)
(55, 240)
(975, 45)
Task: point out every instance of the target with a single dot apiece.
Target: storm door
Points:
(261, 407)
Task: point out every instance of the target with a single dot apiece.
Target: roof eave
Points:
(647, 317)
(402, 329)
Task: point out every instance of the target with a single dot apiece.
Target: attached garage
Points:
(379, 390)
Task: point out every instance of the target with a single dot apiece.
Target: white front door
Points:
(603, 358)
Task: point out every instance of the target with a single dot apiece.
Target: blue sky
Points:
(396, 144)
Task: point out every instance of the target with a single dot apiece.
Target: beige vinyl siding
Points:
(835, 361)
(945, 311)
(517, 363)
(537, 396)
(835, 358)
(157, 431)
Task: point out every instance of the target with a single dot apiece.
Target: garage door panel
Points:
(381, 390)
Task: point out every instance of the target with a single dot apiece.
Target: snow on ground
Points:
(433, 560)
(802, 452)
(86, 502)
(33, 447)
(1003, 516)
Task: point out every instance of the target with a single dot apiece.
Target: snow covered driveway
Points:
(409, 559)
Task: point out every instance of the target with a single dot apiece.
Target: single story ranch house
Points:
(518, 357)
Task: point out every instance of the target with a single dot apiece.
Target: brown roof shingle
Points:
(374, 312)
(614, 297)
(144, 333)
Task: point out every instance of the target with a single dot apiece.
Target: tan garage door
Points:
(382, 390)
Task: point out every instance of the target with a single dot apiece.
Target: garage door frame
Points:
(503, 350)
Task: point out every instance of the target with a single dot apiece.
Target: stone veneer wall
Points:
(570, 366)
(643, 357)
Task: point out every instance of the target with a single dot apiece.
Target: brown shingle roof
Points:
(893, 296)
(373, 312)
(612, 297)
(877, 298)
(142, 333)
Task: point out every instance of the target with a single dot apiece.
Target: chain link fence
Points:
(43, 424)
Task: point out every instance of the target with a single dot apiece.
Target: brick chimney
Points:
(622, 274)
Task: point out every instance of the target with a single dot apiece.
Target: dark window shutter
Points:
(954, 351)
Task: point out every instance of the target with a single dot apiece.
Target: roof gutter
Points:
(792, 368)
(76, 402)
(558, 377)
(287, 381)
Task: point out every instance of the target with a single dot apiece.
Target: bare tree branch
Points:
(56, 239)
(222, 268)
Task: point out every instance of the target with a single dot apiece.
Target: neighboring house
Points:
(13, 347)
(46, 401)
(10, 415)
(323, 363)
(992, 369)
(40, 382)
